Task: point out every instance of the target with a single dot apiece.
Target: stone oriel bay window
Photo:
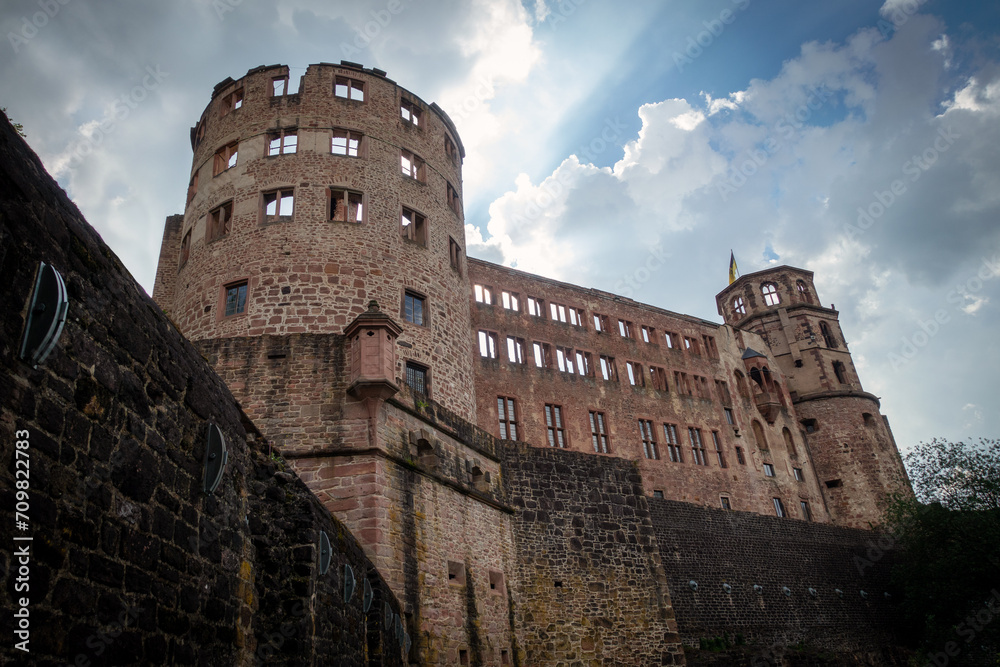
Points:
(282, 142)
(412, 165)
(231, 102)
(347, 143)
(219, 222)
(225, 158)
(349, 89)
(277, 205)
(346, 205)
(413, 227)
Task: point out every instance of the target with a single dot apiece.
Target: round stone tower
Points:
(303, 207)
(850, 442)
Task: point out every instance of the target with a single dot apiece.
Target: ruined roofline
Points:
(601, 294)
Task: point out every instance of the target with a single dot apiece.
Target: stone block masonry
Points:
(131, 563)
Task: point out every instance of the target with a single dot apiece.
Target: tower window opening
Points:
(455, 255)
(282, 142)
(219, 222)
(413, 308)
(411, 165)
(828, 338)
(185, 249)
(803, 290)
(416, 377)
(345, 142)
(770, 292)
(236, 298)
(409, 112)
(225, 158)
(346, 206)
(414, 227)
(739, 307)
(278, 205)
(232, 102)
(349, 89)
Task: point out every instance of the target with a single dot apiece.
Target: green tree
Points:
(17, 126)
(948, 569)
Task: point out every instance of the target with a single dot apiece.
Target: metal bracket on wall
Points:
(369, 595)
(216, 457)
(46, 315)
(325, 552)
(349, 582)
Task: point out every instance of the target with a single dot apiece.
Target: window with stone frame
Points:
(279, 86)
(454, 202)
(507, 413)
(648, 334)
(346, 143)
(282, 142)
(483, 294)
(231, 102)
(417, 378)
(564, 360)
(625, 328)
(600, 323)
(536, 307)
(515, 350)
(648, 435)
(349, 89)
(455, 255)
(608, 369)
(278, 205)
(697, 447)
(185, 249)
(192, 187)
(635, 374)
(554, 426)
(226, 158)
(510, 301)
(671, 339)
(219, 222)
(739, 456)
(673, 442)
(413, 226)
(487, 344)
(599, 433)
(584, 363)
(414, 308)
(720, 455)
(346, 205)
(412, 165)
(739, 307)
(542, 354)
(779, 508)
(450, 149)
(235, 295)
(410, 112)
(770, 293)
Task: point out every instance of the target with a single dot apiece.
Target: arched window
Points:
(828, 338)
(770, 292)
(739, 307)
(756, 376)
(789, 443)
(758, 435)
(803, 290)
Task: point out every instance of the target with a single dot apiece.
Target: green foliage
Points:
(948, 572)
(17, 126)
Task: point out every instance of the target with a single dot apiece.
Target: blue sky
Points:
(598, 133)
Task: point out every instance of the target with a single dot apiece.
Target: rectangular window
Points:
(600, 323)
(576, 317)
(409, 112)
(455, 253)
(739, 456)
(225, 158)
(454, 202)
(282, 142)
(450, 149)
(608, 370)
(718, 449)
(806, 514)
(413, 227)
(648, 439)
(657, 493)
(535, 306)
(416, 377)
(564, 359)
(554, 426)
(584, 364)
(625, 328)
(729, 416)
(768, 470)
(346, 206)
(510, 301)
(725, 503)
(697, 448)
(279, 85)
(515, 350)
(487, 344)
(219, 222)
(682, 383)
(691, 345)
(236, 298)
(543, 355)
(411, 165)
(345, 142)
(232, 101)
(648, 334)
(658, 376)
(508, 418)
(192, 187)
(185, 249)
(635, 376)
(349, 89)
(723, 390)
(278, 206)
(598, 432)
(798, 474)
(483, 294)
(671, 339)
(710, 349)
(557, 312)
(673, 443)
(779, 507)
(413, 308)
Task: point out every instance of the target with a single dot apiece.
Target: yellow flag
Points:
(732, 267)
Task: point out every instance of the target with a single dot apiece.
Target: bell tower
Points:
(850, 442)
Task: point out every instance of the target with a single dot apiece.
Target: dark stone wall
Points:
(131, 562)
(715, 547)
(589, 587)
